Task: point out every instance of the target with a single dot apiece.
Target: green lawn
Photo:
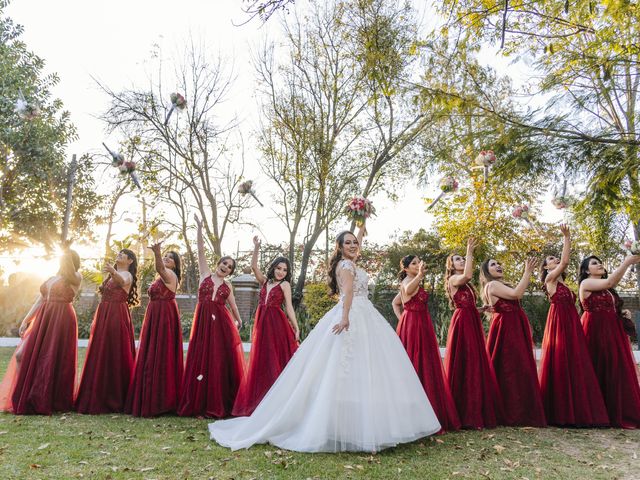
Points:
(119, 447)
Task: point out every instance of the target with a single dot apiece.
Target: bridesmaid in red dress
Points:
(110, 357)
(608, 344)
(510, 346)
(41, 376)
(471, 377)
(416, 333)
(157, 374)
(570, 390)
(274, 339)
(215, 360)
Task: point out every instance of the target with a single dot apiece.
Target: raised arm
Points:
(291, 313)
(554, 274)
(500, 290)
(410, 288)
(254, 261)
(362, 231)
(346, 275)
(123, 279)
(231, 301)
(397, 306)
(168, 276)
(598, 284)
(467, 275)
(203, 266)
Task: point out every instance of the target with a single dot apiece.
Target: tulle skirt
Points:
(356, 391)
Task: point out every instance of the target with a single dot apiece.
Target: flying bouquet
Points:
(447, 185)
(358, 209)
(25, 109)
(177, 101)
(560, 202)
(632, 247)
(485, 159)
(125, 168)
(246, 188)
(523, 212)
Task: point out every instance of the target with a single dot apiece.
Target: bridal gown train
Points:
(356, 391)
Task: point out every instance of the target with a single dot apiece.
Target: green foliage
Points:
(317, 302)
(33, 172)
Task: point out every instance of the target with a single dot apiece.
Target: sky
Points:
(84, 41)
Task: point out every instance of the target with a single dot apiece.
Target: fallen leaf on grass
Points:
(439, 441)
(146, 469)
(35, 465)
(83, 462)
(348, 467)
(2, 433)
(499, 448)
(43, 446)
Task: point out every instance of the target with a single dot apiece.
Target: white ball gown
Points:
(356, 391)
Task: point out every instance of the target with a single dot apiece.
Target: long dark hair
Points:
(485, 278)
(227, 257)
(132, 298)
(404, 263)
(271, 271)
(543, 275)
(583, 274)
(176, 260)
(69, 265)
(336, 256)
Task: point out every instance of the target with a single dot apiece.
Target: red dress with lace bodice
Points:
(471, 377)
(510, 348)
(416, 333)
(570, 390)
(610, 352)
(215, 360)
(273, 343)
(45, 377)
(157, 374)
(110, 357)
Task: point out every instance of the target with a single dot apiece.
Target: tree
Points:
(192, 161)
(311, 126)
(33, 170)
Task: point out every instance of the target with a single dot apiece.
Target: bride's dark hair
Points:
(335, 258)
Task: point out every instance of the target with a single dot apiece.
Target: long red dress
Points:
(45, 379)
(471, 377)
(110, 357)
(272, 345)
(157, 374)
(215, 360)
(612, 359)
(570, 390)
(416, 333)
(510, 348)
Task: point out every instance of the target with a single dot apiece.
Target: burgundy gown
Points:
(612, 359)
(45, 380)
(272, 345)
(570, 390)
(416, 333)
(108, 366)
(471, 377)
(215, 360)
(157, 374)
(510, 348)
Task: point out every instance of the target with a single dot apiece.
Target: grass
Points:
(119, 447)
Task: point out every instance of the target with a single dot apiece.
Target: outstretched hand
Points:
(155, 248)
(531, 264)
(256, 241)
(564, 229)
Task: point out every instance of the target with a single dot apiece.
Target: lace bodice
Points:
(563, 295)
(418, 302)
(503, 306)
(113, 292)
(464, 297)
(59, 291)
(601, 301)
(159, 291)
(360, 279)
(276, 296)
(205, 291)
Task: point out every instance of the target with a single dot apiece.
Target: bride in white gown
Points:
(350, 385)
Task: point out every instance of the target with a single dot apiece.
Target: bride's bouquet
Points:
(521, 212)
(358, 209)
(177, 101)
(246, 188)
(560, 202)
(125, 167)
(484, 160)
(447, 185)
(632, 247)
